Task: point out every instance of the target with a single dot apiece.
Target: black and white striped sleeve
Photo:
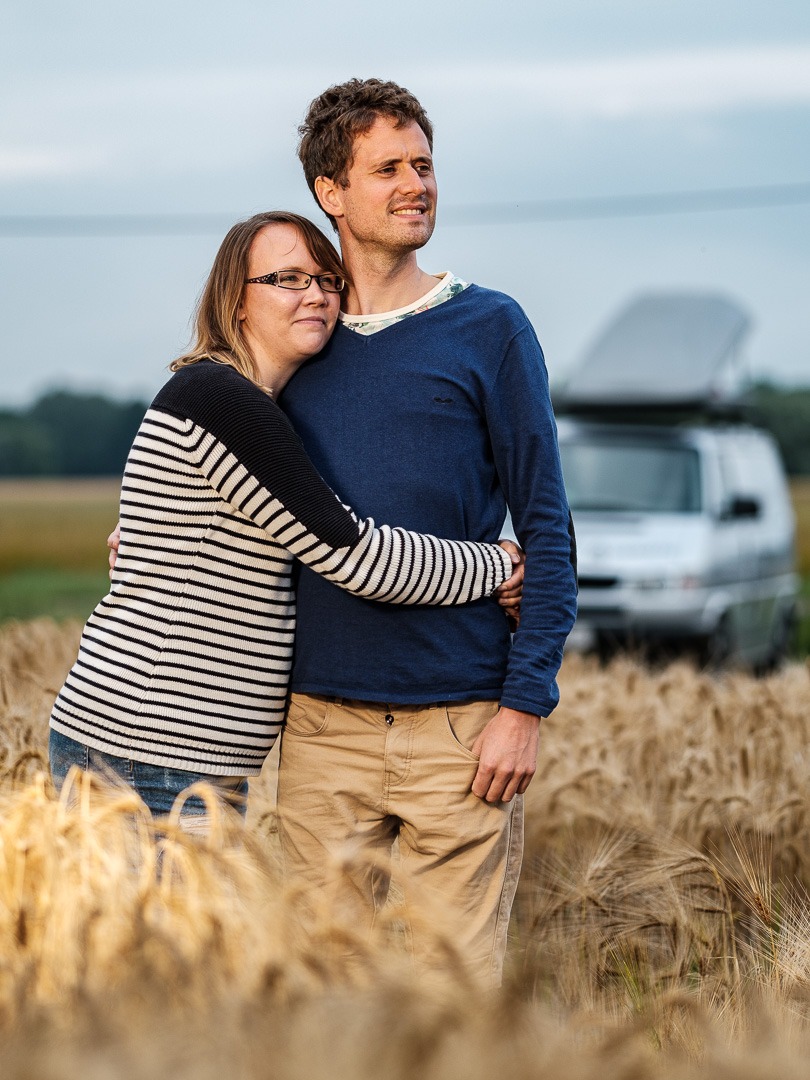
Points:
(249, 453)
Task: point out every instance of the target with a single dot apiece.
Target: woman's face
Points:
(285, 326)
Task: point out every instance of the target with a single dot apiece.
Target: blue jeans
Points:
(157, 785)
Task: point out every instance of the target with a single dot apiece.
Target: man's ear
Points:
(329, 196)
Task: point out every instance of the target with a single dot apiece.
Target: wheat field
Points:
(661, 928)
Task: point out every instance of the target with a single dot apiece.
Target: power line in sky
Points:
(54, 226)
(710, 200)
(619, 206)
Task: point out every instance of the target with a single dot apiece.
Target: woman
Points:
(183, 667)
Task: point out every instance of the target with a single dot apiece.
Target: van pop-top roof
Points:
(672, 351)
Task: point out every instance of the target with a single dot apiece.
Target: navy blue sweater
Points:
(438, 422)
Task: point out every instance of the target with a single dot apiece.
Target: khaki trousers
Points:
(356, 776)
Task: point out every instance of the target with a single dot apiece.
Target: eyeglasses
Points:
(297, 279)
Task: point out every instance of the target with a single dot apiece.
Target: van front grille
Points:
(594, 581)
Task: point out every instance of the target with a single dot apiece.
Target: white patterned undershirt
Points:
(446, 287)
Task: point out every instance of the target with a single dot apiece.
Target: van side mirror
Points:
(740, 507)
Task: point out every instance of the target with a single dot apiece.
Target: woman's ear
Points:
(329, 196)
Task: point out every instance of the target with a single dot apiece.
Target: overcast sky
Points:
(180, 107)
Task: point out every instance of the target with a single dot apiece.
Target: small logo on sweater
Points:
(444, 400)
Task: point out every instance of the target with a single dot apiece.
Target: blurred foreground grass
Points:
(661, 931)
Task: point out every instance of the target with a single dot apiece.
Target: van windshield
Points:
(633, 476)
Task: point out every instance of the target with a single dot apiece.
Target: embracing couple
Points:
(412, 713)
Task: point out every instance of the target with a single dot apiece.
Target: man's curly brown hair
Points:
(341, 113)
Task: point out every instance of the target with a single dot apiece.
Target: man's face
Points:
(390, 199)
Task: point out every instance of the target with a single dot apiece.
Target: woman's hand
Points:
(509, 594)
(114, 539)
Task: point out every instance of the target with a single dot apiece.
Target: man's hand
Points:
(509, 594)
(507, 755)
(113, 540)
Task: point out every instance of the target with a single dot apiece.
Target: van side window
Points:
(750, 468)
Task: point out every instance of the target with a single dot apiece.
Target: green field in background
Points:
(800, 492)
(53, 553)
(53, 546)
(56, 524)
(62, 594)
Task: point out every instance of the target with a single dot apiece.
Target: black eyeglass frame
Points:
(272, 279)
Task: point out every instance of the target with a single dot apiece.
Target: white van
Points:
(684, 524)
(683, 533)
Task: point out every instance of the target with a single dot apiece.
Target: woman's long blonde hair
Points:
(217, 327)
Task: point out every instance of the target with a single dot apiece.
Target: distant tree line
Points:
(67, 434)
(786, 414)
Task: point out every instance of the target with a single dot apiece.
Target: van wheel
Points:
(719, 646)
(606, 647)
(782, 635)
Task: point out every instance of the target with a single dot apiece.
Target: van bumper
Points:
(636, 613)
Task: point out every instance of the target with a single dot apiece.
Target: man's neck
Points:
(382, 283)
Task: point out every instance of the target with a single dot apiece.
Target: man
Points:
(429, 407)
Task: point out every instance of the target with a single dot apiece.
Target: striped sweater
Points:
(185, 662)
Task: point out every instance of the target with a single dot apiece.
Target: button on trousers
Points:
(356, 776)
